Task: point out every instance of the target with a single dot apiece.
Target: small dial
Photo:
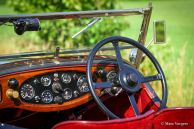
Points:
(82, 84)
(46, 96)
(66, 78)
(56, 87)
(112, 76)
(36, 81)
(67, 94)
(46, 80)
(27, 92)
(58, 100)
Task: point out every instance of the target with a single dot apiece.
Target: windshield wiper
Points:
(91, 23)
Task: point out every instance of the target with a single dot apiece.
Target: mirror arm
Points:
(150, 42)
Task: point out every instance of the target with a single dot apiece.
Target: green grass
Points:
(176, 57)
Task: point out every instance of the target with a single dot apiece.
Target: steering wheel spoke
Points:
(103, 84)
(118, 54)
(151, 78)
(133, 104)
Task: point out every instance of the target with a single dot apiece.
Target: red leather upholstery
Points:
(140, 122)
(170, 118)
(174, 118)
(121, 106)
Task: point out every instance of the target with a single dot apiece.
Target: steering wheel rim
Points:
(114, 40)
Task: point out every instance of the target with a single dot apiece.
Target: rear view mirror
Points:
(159, 32)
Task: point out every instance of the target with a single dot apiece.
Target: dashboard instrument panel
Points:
(55, 87)
(49, 89)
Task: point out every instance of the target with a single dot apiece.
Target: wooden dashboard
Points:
(10, 99)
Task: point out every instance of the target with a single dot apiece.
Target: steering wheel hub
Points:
(129, 79)
(132, 80)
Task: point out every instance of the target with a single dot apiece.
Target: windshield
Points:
(67, 34)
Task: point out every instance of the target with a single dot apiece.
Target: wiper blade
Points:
(91, 23)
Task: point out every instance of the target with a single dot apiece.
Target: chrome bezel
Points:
(50, 99)
(24, 87)
(47, 84)
(67, 75)
(70, 94)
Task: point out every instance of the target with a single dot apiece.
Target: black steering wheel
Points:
(130, 78)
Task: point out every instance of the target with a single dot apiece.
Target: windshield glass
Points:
(62, 33)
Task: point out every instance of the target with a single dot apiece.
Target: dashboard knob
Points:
(13, 83)
(58, 100)
(76, 93)
(10, 93)
(37, 98)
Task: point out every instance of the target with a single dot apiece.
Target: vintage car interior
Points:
(57, 90)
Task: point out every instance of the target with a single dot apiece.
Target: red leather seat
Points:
(140, 122)
(169, 118)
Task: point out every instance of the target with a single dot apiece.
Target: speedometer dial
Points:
(82, 84)
(27, 92)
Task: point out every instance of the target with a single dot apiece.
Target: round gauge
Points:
(56, 87)
(66, 78)
(46, 80)
(46, 96)
(27, 92)
(112, 76)
(83, 84)
(67, 94)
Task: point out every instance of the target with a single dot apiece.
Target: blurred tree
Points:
(2, 2)
(58, 32)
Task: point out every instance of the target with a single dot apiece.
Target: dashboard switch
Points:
(13, 83)
(75, 93)
(37, 99)
(58, 100)
(10, 93)
(13, 95)
(36, 81)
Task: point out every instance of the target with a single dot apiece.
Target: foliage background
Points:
(176, 57)
(57, 33)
